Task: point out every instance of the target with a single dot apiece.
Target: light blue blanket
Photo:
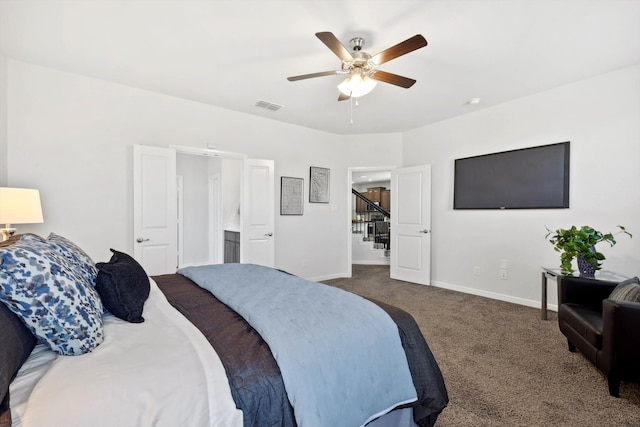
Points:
(340, 355)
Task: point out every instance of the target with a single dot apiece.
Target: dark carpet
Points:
(502, 365)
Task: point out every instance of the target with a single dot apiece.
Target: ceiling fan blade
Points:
(343, 97)
(402, 48)
(393, 79)
(334, 44)
(312, 75)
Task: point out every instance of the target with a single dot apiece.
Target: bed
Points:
(175, 354)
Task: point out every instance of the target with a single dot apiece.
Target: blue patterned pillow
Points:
(56, 303)
(81, 261)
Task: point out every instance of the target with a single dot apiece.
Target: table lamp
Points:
(18, 206)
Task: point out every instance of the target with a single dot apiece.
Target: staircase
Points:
(370, 229)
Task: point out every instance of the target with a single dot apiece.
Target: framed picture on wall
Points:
(291, 195)
(319, 185)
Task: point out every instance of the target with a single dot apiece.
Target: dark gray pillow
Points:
(16, 342)
(629, 290)
(123, 286)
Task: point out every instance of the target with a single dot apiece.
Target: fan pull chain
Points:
(351, 110)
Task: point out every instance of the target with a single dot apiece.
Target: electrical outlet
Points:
(503, 274)
(476, 270)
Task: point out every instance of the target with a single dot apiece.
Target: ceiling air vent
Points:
(268, 105)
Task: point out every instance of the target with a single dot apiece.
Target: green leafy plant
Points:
(581, 241)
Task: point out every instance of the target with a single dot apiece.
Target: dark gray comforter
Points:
(254, 376)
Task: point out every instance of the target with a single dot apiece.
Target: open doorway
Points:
(208, 192)
(155, 207)
(365, 237)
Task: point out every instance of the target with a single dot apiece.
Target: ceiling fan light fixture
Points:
(357, 85)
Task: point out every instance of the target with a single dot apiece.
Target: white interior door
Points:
(257, 240)
(155, 209)
(411, 224)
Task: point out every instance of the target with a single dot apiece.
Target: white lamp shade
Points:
(357, 85)
(20, 206)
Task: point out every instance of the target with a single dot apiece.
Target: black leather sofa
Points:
(605, 331)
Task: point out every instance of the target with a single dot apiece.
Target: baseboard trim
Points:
(381, 261)
(327, 277)
(457, 288)
(494, 295)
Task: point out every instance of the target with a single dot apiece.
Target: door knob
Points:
(269, 234)
(424, 231)
(140, 240)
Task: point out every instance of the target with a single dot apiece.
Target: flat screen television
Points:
(529, 178)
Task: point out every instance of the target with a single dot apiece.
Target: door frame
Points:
(206, 152)
(180, 217)
(350, 171)
(216, 239)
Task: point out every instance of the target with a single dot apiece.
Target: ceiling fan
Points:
(362, 68)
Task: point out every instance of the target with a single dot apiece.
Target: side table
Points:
(555, 272)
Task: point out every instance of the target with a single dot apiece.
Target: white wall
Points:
(323, 223)
(3, 120)
(601, 118)
(71, 137)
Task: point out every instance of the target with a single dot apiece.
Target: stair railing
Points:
(371, 205)
(369, 222)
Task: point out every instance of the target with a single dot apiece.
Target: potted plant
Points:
(581, 243)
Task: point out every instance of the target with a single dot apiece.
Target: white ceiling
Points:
(232, 54)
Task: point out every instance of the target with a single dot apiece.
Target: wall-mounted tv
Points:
(529, 178)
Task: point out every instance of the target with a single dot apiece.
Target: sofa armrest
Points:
(584, 291)
(620, 338)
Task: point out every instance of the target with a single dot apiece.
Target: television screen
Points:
(529, 178)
